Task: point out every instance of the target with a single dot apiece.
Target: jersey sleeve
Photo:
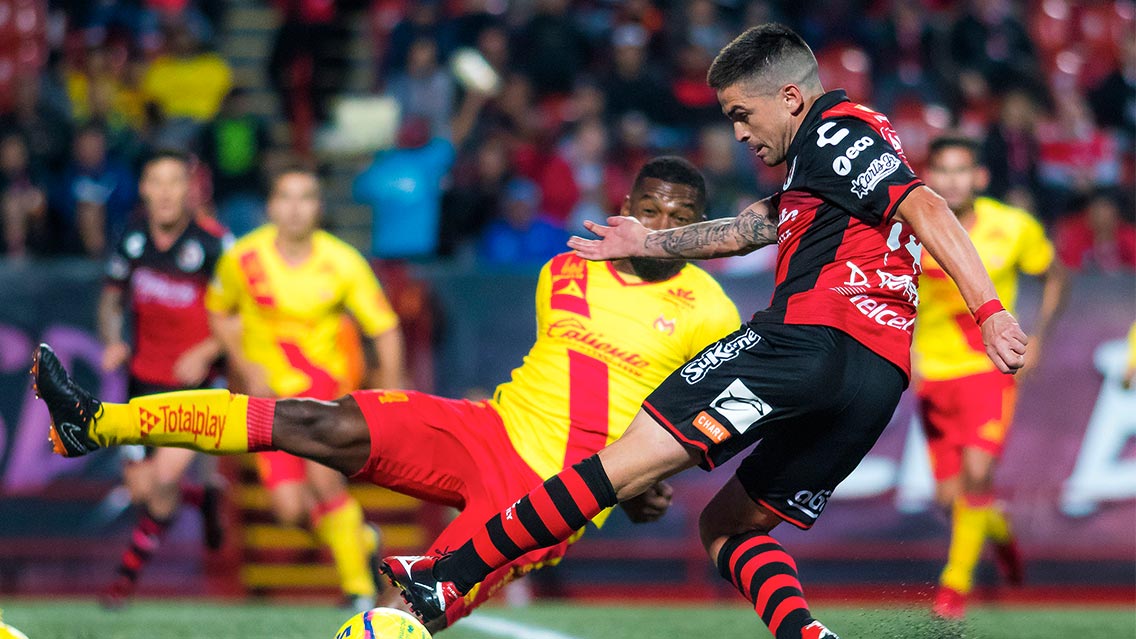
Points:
(543, 296)
(848, 164)
(223, 294)
(365, 299)
(117, 269)
(717, 316)
(1036, 251)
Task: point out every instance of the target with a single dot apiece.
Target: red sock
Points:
(766, 575)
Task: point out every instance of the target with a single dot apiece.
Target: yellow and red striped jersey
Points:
(948, 342)
(292, 316)
(604, 341)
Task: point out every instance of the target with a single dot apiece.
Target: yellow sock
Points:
(212, 421)
(998, 525)
(341, 529)
(968, 533)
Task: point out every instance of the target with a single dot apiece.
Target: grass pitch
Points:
(207, 620)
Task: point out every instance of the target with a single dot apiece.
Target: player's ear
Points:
(792, 98)
(981, 178)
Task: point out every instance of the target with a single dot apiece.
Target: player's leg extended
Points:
(545, 517)
(337, 520)
(735, 532)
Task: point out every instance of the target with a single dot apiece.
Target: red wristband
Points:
(987, 309)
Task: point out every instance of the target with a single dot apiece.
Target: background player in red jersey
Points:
(607, 333)
(157, 274)
(815, 377)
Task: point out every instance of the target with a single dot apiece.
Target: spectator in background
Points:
(990, 41)
(403, 186)
(631, 85)
(187, 84)
(1114, 99)
(234, 145)
(1076, 156)
(727, 183)
(521, 236)
(1100, 236)
(423, 19)
(556, 51)
(694, 101)
(1011, 148)
(901, 48)
(23, 203)
(425, 89)
(703, 28)
(46, 130)
(476, 196)
(94, 195)
(99, 91)
(309, 34)
(585, 151)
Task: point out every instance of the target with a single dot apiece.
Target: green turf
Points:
(193, 620)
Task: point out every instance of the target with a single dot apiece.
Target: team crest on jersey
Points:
(665, 325)
(134, 245)
(191, 256)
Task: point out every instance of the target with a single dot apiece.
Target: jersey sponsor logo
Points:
(194, 421)
(740, 406)
(681, 293)
(717, 354)
(879, 169)
(153, 287)
(823, 139)
(575, 330)
(905, 284)
(711, 427)
(842, 165)
(392, 397)
(134, 244)
(881, 313)
(665, 325)
(191, 256)
(148, 421)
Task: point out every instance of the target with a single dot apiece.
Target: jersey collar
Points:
(816, 112)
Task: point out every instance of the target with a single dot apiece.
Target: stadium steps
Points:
(282, 561)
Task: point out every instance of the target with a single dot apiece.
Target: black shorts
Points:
(813, 399)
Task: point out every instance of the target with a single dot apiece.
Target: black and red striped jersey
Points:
(165, 292)
(842, 260)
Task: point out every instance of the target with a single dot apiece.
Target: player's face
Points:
(294, 206)
(164, 187)
(661, 205)
(954, 174)
(761, 122)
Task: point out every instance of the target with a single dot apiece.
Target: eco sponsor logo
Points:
(879, 169)
(716, 355)
(842, 165)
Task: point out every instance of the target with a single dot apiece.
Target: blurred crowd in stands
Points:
(587, 91)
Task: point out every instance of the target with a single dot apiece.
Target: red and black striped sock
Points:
(766, 575)
(144, 540)
(543, 518)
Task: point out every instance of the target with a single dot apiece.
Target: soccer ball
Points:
(8, 632)
(380, 623)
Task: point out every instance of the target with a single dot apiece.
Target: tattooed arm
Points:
(752, 229)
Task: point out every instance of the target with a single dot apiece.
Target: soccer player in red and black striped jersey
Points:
(159, 270)
(813, 379)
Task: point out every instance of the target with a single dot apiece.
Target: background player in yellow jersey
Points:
(278, 302)
(965, 403)
(607, 334)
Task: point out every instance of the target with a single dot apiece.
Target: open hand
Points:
(624, 237)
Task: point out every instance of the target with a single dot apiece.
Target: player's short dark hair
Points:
(770, 55)
(944, 142)
(158, 155)
(292, 167)
(673, 169)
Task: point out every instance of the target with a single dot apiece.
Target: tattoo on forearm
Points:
(750, 230)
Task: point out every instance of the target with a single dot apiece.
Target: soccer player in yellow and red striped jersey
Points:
(279, 301)
(965, 403)
(607, 333)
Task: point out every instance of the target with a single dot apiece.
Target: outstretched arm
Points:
(752, 229)
(946, 240)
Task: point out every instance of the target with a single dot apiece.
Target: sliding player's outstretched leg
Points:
(545, 517)
(211, 421)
